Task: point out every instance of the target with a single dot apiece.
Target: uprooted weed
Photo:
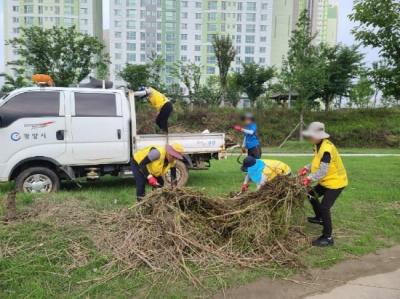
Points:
(183, 231)
(180, 230)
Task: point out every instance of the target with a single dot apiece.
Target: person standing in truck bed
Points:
(162, 104)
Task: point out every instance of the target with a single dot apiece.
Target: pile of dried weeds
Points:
(182, 231)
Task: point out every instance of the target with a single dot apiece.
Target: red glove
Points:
(152, 181)
(244, 150)
(237, 128)
(245, 187)
(306, 182)
(303, 171)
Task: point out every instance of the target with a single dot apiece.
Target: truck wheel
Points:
(182, 175)
(37, 180)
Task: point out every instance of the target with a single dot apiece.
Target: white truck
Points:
(52, 134)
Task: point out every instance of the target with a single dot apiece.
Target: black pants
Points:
(141, 180)
(322, 209)
(163, 116)
(255, 152)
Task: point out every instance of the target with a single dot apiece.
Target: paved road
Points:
(381, 286)
(373, 276)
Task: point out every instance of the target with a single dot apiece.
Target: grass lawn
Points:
(36, 258)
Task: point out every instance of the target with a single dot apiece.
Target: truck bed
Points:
(194, 143)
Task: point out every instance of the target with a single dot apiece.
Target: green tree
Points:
(63, 53)
(210, 92)
(338, 67)
(301, 72)
(190, 75)
(156, 68)
(253, 78)
(12, 82)
(136, 75)
(300, 69)
(234, 89)
(379, 27)
(225, 53)
(362, 92)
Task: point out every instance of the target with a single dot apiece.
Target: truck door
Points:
(32, 124)
(99, 130)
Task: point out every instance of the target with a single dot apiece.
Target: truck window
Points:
(95, 104)
(29, 105)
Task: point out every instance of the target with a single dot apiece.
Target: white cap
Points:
(316, 130)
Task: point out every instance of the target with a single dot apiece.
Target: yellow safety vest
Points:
(156, 168)
(157, 99)
(336, 177)
(275, 168)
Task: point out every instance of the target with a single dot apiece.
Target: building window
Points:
(249, 50)
(212, 5)
(250, 28)
(210, 70)
(131, 57)
(251, 6)
(131, 35)
(250, 39)
(250, 17)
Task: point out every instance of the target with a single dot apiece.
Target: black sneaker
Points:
(315, 220)
(323, 242)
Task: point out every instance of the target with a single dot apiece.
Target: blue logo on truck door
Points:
(15, 136)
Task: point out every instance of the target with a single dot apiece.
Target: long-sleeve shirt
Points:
(323, 167)
(250, 139)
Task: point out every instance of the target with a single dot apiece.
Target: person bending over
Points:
(261, 171)
(152, 163)
(328, 171)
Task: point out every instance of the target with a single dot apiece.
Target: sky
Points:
(344, 30)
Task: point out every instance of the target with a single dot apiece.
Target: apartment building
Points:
(184, 30)
(324, 22)
(86, 15)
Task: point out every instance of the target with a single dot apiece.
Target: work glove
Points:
(153, 181)
(303, 171)
(245, 188)
(237, 128)
(244, 150)
(306, 182)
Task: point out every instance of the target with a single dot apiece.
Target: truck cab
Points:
(50, 134)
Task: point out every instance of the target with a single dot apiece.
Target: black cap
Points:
(248, 162)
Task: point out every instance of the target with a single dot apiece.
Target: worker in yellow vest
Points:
(161, 103)
(152, 163)
(328, 171)
(261, 171)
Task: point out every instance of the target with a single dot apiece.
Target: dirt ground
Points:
(318, 281)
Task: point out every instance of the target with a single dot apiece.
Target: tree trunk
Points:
(290, 99)
(326, 101)
(301, 138)
(376, 97)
